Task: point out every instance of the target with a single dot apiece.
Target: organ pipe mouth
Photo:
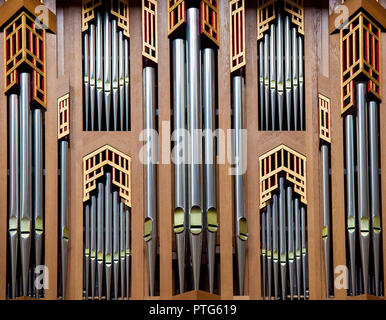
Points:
(148, 229)
(364, 225)
(195, 220)
(351, 224)
(377, 224)
(243, 229)
(212, 220)
(324, 232)
(179, 220)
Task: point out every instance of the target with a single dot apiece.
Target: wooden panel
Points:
(93, 168)
(276, 161)
(324, 118)
(149, 30)
(176, 15)
(63, 116)
(237, 34)
(360, 54)
(120, 9)
(88, 11)
(266, 12)
(210, 20)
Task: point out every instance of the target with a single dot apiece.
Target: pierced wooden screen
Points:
(360, 54)
(120, 9)
(176, 15)
(94, 167)
(282, 160)
(209, 20)
(25, 45)
(295, 8)
(324, 118)
(237, 34)
(88, 11)
(266, 12)
(149, 30)
(63, 116)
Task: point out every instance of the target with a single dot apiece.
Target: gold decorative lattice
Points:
(94, 168)
(360, 56)
(64, 116)
(296, 10)
(209, 20)
(149, 30)
(88, 12)
(120, 9)
(324, 118)
(176, 15)
(266, 12)
(237, 34)
(25, 47)
(282, 160)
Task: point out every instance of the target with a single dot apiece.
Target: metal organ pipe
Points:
(99, 69)
(115, 72)
(106, 75)
(280, 69)
(100, 239)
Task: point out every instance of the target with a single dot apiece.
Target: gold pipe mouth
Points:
(243, 229)
(148, 229)
(179, 220)
(212, 220)
(195, 220)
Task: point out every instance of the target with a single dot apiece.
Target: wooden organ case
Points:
(90, 195)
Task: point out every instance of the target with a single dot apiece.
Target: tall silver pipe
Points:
(275, 244)
(301, 84)
(266, 80)
(282, 236)
(209, 154)
(304, 249)
(107, 68)
(179, 92)
(261, 85)
(269, 250)
(122, 246)
(116, 242)
(280, 69)
(93, 242)
(272, 61)
(115, 72)
(350, 199)
(87, 250)
(86, 79)
(108, 233)
(288, 70)
(127, 251)
(65, 237)
(195, 143)
(13, 218)
(127, 85)
(291, 245)
(264, 251)
(150, 195)
(25, 177)
(363, 182)
(92, 77)
(121, 73)
(374, 181)
(298, 248)
(100, 236)
(241, 221)
(326, 214)
(295, 79)
(99, 69)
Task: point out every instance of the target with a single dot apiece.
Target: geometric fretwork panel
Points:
(24, 47)
(63, 116)
(149, 30)
(282, 161)
(94, 167)
(360, 54)
(324, 118)
(266, 12)
(120, 9)
(296, 10)
(209, 20)
(176, 14)
(88, 11)
(237, 34)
